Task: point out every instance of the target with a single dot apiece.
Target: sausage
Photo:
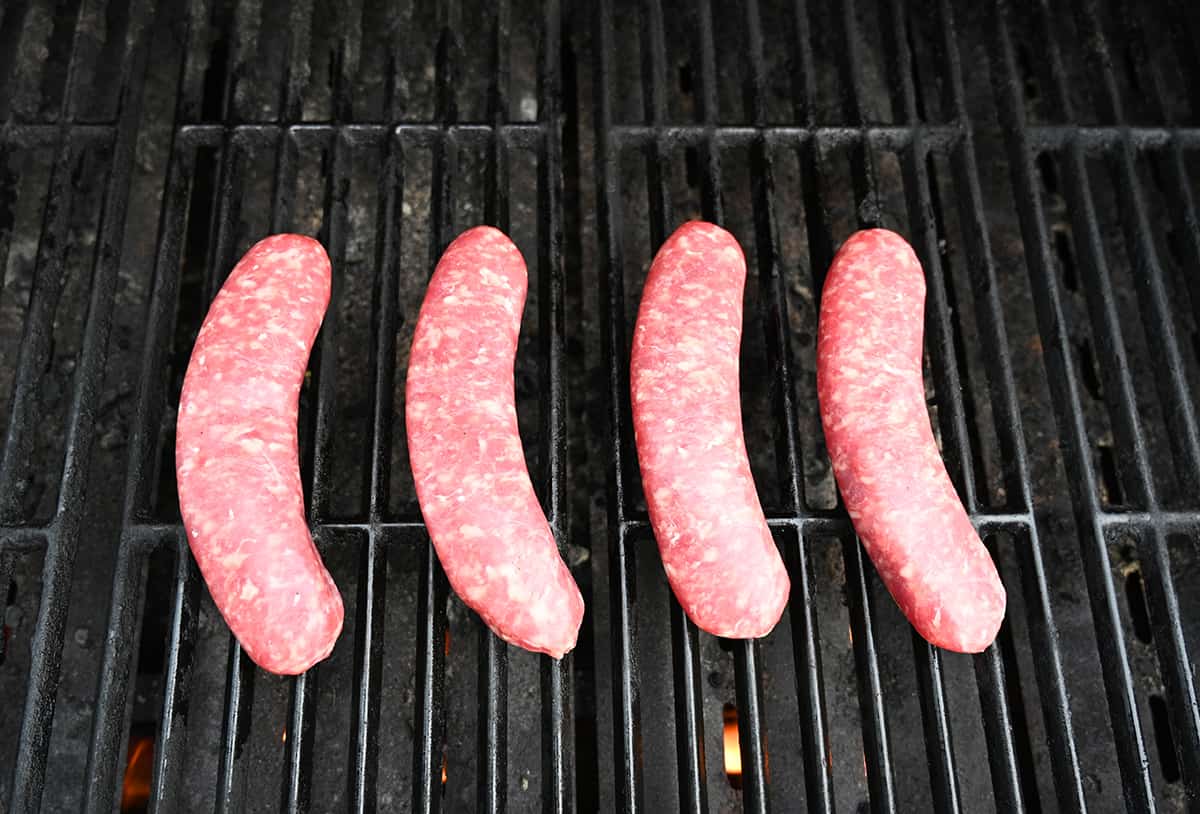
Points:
(237, 462)
(468, 465)
(881, 444)
(687, 419)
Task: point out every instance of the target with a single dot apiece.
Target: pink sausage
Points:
(467, 461)
(885, 459)
(687, 418)
(236, 458)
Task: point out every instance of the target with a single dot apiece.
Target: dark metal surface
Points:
(1041, 158)
(918, 146)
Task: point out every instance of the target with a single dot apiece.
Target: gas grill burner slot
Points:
(1043, 162)
(1164, 739)
(1135, 595)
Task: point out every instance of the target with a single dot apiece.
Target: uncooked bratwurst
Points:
(467, 461)
(885, 459)
(236, 457)
(687, 418)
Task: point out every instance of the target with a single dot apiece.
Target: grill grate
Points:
(1040, 159)
(910, 142)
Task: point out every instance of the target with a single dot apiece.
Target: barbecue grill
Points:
(1040, 158)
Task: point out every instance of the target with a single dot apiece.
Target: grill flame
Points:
(733, 749)
(135, 788)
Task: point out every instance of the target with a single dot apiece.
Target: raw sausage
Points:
(885, 459)
(467, 461)
(236, 457)
(687, 418)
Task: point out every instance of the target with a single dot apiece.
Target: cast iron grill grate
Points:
(1041, 160)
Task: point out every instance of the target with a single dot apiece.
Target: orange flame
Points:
(135, 789)
(733, 749)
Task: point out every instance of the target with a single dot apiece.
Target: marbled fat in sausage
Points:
(469, 467)
(236, 457)
(687, 417)
(885, 459)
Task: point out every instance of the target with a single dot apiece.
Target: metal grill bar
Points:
(431, 666)
(812, 522)
(106, 743)
(297, 791)
(142, 537)
(384, 323)
(239, 673)
(239, 695)
(558, 752)
(334, 230)
(914, 142)
(1113, 649)
(29, 772)
(860, 575)
(880, 771)
(940, 341)
(989, 670)
(129, 578)
(805, 644)
(301, 723)
(368, 666)
(1180, 416)
(1007, 773)
(1131, 746)
(627, 774)
(35, 344)
(1095, 140)
(429, 754)
(689, 715)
